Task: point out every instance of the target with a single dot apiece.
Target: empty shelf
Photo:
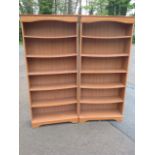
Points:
(52, 72)
(56, 37)
(102, 86)
(54, 87)
(54, 118)
(51, 56)
(40, 104)
(104, 71)
(105, 55)
(106, 37)
(105, 100)
(106, 114)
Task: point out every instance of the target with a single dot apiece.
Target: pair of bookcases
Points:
(76, 66)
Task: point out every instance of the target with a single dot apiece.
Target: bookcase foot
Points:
(119, 119)
(36, 125)
(74, 122)
(82, 121)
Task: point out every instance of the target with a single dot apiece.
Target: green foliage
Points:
(133, 39)
(26, 6)
(46, 6)
(94, 7)
(20, 32)
(109, 7)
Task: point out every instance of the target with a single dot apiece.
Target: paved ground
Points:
(91, 138)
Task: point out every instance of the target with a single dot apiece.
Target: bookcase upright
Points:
(77, 67)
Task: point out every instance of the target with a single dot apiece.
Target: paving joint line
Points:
(122, 132)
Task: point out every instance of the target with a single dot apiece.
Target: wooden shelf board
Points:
(46, 37)
(104, 71)
(104, 100)
(102, 86)
(54, 118)
(52, 73)
(106, 37)
(105, 55)
(51, 56)
(53, 87)
(106, 114)
(41, 104)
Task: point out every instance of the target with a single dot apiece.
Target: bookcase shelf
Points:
(107, 29)
(105, 100)
(56, 87)
(57, 114)
(50, 103)
(105, 55)
(50, 29)
(106, 37)
(49, 118)
(51, 56)
(103, 71)
(52, 73)
(104, 115)
(48, 37)
(76, 67)
(102, 86)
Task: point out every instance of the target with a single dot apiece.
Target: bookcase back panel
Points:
(105, 46)
(106, 29)
(103, 63)
(38, 65)
(52, 80)
(38, 112)
(51, 46)
(100, 93)
(102, 78)
(53, 95)
(50, 28)
(98, 107)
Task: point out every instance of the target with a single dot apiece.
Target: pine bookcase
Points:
(77, 66)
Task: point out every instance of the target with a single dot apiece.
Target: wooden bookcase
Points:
(76, 67)
(51, 57)
(104, 52)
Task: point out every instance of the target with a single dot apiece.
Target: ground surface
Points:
(91, 138)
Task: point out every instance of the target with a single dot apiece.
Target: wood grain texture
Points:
(117, 19)
(36, 18)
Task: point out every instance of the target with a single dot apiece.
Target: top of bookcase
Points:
(35, 18)
(120, 19)
(73, 18)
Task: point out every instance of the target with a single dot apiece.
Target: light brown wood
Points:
(111, 37)
(77, 67)
(106, 55)
(103, 86)
(58, 37)
(36, 18)
(50, 56)
(117, 19)
(104, 100)
(50, 103)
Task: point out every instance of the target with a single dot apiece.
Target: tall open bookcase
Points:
(76, 67)
(104, 52)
